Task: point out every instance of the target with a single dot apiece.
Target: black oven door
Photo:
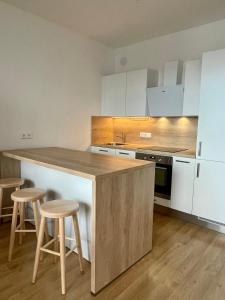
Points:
(163, 179)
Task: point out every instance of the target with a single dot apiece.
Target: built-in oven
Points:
(163, 173)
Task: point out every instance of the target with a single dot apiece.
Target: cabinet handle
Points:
(183, 161)
(124, 153)
(198, 170)
(102, 150)
(200, 149)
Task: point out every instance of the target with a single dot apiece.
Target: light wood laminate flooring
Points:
(187, 262)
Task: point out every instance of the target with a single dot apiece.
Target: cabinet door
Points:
(209, 192)
(102, 150)
(114, 94)
(136, 98)
(182, 184)
(211, 129)
(166, 101)
(125, 153)
(192, 77)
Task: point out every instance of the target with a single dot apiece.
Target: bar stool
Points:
(4, 184)
(20, 198)
(58, 210)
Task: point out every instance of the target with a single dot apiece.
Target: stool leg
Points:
(39, 244)
(1, 199)
(13, 228)
(62, 254)
(77, 234)
(46, 232)
(36, 221)
(41, 201)
(56, 233)
(21, 211)
(36, 217)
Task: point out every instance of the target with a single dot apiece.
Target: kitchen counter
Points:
(116, 198)
(134, 147)
(81, 163)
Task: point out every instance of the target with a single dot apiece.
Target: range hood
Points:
(167, 100)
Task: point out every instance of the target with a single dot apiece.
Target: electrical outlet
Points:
(26, 135)
(146, 135)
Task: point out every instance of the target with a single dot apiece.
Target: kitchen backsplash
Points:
(176, 132)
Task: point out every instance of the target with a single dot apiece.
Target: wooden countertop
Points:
(80, 163)
(190, 153)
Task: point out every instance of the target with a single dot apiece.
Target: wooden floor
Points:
(187, 262)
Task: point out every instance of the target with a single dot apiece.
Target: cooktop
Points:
(163, 149)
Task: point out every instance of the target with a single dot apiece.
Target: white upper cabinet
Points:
(182, 184)
(114, 95)
(211, 125)
(209, 192)
(165, 101)
(124, 94)
(136, 98)
(172, 73)
(192, 78)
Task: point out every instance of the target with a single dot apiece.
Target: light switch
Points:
(146, 135)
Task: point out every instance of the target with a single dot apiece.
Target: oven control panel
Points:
(159, 159)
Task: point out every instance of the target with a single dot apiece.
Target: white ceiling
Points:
(121, 22)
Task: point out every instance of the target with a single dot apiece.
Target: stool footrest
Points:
(68, 238)
(25, 230)
(49, 243)
(44, 248)
(7, 215)
(70, 251)
(9, 207)
(50, 251)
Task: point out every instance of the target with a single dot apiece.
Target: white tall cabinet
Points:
(114, 94)
(211, 129)
(192, 79)
(209, 191)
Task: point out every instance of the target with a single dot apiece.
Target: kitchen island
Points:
(116, 203)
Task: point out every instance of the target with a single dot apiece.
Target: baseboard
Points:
(189, 218)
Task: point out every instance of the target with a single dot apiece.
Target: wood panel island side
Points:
(116, 203)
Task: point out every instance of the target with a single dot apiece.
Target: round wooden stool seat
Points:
(27, 195)
(59, 208)
(11, 182)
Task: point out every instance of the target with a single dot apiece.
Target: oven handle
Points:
(162, 168)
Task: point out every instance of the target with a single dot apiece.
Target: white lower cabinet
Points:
(209, 191)
(101, 150)
(182, 184)
(114, 152)
(125, 153)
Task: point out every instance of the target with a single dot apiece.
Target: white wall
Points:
(183, 45)
(50, 81)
